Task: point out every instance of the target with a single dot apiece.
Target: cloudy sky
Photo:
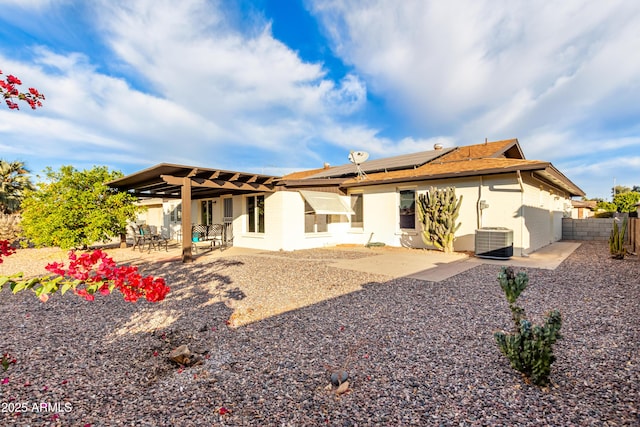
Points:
(273, 86)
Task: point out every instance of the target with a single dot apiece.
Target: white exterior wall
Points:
(544, 207)
(382, 218)
(271, 238)
(504, 197)
(534, 215)
(153, 214)
(284, 225)
(293, 234)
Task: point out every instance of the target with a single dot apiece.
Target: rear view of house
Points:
(371, 201)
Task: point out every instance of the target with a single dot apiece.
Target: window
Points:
(255, 214)
(176, 213)
(315, 223)
(228, 209)
(407, 209)
(318, 208)
(356, 206)
(206, 212)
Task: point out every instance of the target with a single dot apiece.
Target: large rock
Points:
(181, 355)
(339, 377)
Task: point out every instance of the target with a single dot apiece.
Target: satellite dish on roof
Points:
(357, 158)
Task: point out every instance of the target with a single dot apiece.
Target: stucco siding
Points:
(271, 239)
(297, 238)
(535, 215)
(532, 209)
(503, 195)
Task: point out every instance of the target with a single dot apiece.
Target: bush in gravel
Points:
(528, 347)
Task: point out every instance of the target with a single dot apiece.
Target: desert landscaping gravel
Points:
(272, 328)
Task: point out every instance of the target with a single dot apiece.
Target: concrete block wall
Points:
(586, 229)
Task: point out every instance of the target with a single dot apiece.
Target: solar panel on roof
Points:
(404, 161)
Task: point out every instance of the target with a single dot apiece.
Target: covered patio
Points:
(187, 183)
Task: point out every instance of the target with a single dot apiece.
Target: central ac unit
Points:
(494, 242)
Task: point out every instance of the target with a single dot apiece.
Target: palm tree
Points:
(14, 180)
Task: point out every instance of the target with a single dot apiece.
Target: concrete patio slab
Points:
(402, 263)
(427, 265)
(548, 257)
(435, 266)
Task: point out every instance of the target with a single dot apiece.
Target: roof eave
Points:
(559, 179)
(493, 171)
(311, 182)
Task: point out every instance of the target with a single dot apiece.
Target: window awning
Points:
(326, 203)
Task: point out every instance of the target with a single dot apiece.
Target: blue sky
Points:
(274, 86)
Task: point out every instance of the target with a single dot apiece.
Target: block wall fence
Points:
(599, 229)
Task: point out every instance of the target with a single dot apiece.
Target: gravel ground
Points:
(272, 329)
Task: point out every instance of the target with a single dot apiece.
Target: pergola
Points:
(187, 183)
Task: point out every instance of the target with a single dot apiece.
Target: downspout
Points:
(522, 221)
(478, 209)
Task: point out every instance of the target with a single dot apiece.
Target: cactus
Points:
(616, 240)
(529, 348)
(513, 285)
(438, 211)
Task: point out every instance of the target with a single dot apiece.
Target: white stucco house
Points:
(338, 205)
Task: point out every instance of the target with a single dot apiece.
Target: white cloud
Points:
(194, 82)
(31, 4)
(563, 78)
(211, 92)
(503, 65)
(207, 65)
(349, 97)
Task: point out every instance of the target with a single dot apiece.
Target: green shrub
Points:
(603, 214)
(528, 347)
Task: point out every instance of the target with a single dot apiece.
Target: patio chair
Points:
(214, 233)
(160, 237)
(199, 238)
(153, 239)
(138, 238)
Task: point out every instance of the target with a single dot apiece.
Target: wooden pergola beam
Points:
(217, 184)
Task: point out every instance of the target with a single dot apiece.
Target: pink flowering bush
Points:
(87, 274)
(9, 91)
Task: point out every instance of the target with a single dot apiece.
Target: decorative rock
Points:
(181, 355)
(344, 387)
(339, 377)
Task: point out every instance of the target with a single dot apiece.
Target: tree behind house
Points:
(73, 209)
(14, 181)
(626, 202)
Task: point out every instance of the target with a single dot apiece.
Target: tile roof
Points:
(486, 150)
(453, 168)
